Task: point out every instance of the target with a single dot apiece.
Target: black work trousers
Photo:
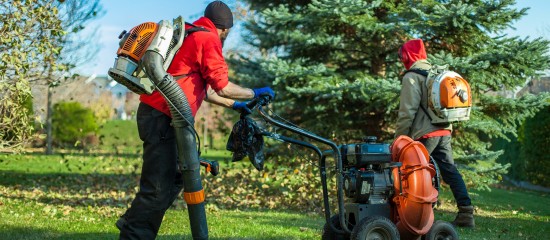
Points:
(441, 151)
(161, 180)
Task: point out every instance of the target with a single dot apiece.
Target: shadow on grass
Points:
(75, 189)
(16, 233)
(67, 182)
(89, 154)
(7, 232)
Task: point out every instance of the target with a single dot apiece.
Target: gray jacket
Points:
(412, 120)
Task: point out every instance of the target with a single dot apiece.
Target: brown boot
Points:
(465, 217)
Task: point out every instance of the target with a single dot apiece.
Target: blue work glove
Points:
(264, 91)
(241, 107)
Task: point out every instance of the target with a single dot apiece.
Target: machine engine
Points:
(368, 183)
(367, 172)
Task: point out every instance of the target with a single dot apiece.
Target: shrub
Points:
(535, 140)
(72, 123)
(512, 149)
(16, 111)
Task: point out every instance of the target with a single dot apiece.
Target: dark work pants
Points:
(161, 181)
(441, 151)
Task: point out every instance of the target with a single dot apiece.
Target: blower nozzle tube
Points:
(188, 158)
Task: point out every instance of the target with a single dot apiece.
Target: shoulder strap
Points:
(195, 28)
(425, 74)
(426, 112)
(418, 71)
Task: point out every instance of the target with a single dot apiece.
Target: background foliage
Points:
(535, 151)
(72, 123)
(39, 46)
(334, 66)
(30, 39)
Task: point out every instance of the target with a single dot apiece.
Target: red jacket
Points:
(200, 57)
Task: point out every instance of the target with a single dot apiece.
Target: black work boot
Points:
(465, 217)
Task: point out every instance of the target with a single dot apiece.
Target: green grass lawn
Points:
(81, 196)
(119, 136)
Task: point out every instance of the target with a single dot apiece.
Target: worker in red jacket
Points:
(201, 71)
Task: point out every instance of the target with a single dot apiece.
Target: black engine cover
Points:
(368, 186)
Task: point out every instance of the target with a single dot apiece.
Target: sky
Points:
(124, 14)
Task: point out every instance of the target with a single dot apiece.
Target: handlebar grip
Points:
(214, 168)
(258, 101)
(252, 103)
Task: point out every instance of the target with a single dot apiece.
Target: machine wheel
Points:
(441, 230)
(436, 180)
(375, 228)
(328, 234)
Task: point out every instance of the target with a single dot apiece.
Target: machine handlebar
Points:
(264, 100)
(259, 101)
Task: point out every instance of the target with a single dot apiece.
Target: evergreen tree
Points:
(334, 66)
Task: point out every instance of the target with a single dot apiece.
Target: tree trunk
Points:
(49, 136)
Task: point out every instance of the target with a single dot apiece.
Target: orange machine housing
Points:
(137, 41)
(398, 144)
(452, 90)
(415, 192)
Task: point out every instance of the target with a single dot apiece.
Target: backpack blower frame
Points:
(389, 191)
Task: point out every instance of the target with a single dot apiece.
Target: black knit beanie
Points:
(220, 14)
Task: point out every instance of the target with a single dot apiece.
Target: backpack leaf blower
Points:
(145, 53)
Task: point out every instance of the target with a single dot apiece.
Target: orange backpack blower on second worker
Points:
(449, 95)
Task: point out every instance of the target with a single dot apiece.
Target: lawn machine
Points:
(383, 191)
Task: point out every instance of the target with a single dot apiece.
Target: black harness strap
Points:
(425, 74)
(418, 71)
(194, 28)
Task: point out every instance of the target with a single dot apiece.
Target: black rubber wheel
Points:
(329, 234)
(441, 230)
(436, 180)
(375, 228)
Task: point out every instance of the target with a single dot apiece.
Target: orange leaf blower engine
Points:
(164, 38)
